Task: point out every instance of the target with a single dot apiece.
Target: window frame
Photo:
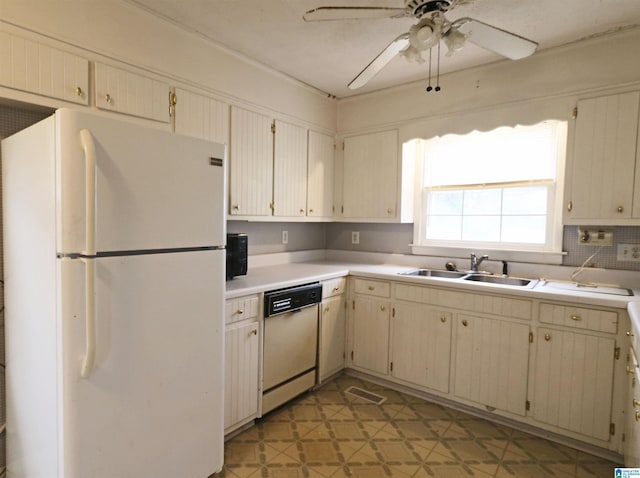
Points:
(550, 252)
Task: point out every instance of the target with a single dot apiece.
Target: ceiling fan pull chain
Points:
(429, 88)
(438, 70)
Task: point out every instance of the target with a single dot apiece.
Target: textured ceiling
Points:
(328, 55)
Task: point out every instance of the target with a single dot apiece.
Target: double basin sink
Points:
(474, 277)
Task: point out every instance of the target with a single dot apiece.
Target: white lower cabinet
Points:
(370, 335)
(492, 360)
(333, 323)
(242, 362)
(632, 409)
(421, 345)
(573, 380)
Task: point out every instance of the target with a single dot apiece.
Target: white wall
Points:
(544, 85)
(116, 29)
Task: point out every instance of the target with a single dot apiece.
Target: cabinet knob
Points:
(620, 209)
(635, 402)
(443, 318)
(301, 211)
(547, 337)
(310, 211)
(79, 91)
(465, 323)
(389, 211)
(576, 317)
(637, 415)
(235, 207)
(382, 307)
(240, 311)
(629, 334)
(336, 289)
(569, 206)
(630, 370)
(107, 98)
(371, 287)
(253, 332)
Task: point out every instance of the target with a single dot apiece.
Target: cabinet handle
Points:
(79, 91)
(107, 98)
(443, 319)
(240, 311)
(310, 211)
(576, 317)
(620, 209)
(371, 287)
(569, 206)
(253, 332)
(629, 334)
(326, 310)
(465, 323)
(547, 337)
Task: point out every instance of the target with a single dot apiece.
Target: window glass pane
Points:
(525, 200)
(482, 201)
(524, 229)
(481, 228)
(444, 227)
(445, 202)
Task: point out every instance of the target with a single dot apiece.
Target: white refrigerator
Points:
(114, 263)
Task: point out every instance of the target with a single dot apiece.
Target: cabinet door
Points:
(574, 381)
(130, 93)
(421, 345)
(492, 358)
(604, 158)
(370, 339)
(201, 116)
(332, 336)
(632, 427)
(289, 170)
(250, 164)
(31, 66)
(241, 374)
(320, 175)
(370, 170)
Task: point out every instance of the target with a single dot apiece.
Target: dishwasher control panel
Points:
(291, 298)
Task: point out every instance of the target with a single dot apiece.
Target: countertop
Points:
(260, 279)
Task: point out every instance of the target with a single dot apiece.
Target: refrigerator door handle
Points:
(89, 149)
(90, 318)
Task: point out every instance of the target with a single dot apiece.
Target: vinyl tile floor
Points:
(332, 433)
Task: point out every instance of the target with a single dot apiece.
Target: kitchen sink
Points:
(435, 273)
(502, 280)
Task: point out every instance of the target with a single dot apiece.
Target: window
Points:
(492, 190)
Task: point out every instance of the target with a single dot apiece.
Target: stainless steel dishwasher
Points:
(290, 348)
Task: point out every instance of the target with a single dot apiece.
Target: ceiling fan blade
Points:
(495, 39)
(380, 61)
(348, 13)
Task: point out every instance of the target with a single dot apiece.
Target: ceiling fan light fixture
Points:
(425, 34)
(412, 54)
(455, 40)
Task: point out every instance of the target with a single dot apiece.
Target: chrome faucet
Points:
(475, 261)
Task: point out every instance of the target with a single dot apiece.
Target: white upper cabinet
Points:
(290, 170)
(250, 163)
(130, 93)
(370, 177)
(600, 183)
(320, 175)
(34, 67)
(201, 116)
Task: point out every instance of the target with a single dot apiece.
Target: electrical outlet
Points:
(597, 237)
(628, 252)
(355, 237)
(285, 237)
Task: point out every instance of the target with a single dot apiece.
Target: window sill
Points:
(534, 257)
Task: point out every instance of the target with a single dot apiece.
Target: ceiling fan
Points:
(432, 26)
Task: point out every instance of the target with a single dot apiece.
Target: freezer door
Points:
(135, 188)
(152, 405)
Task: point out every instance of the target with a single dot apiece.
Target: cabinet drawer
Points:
(372, 287)
(579, 317)
(241, 308)
(334, 287)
